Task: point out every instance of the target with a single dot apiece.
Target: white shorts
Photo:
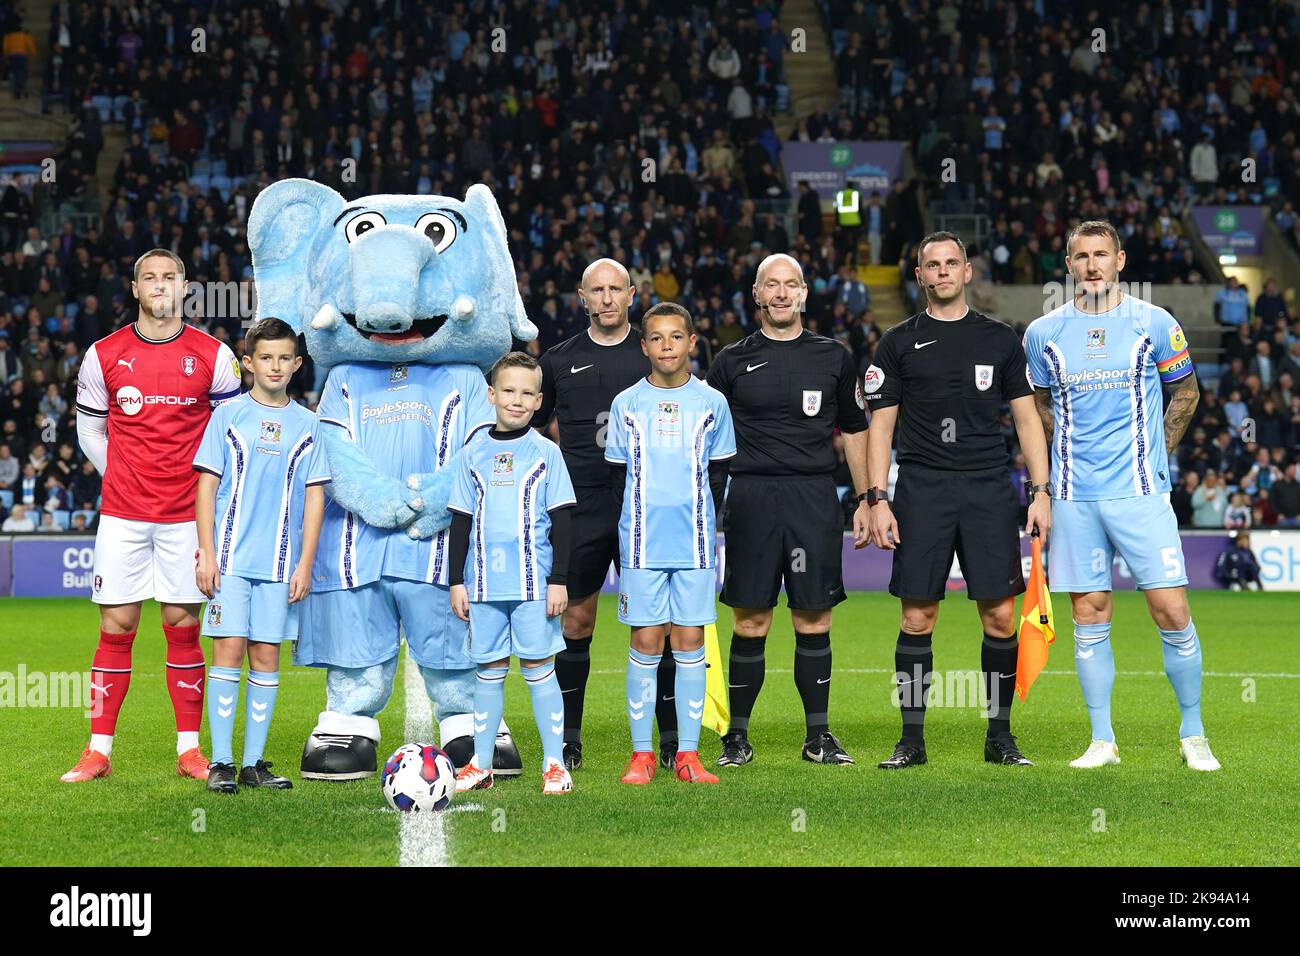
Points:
(138, 560)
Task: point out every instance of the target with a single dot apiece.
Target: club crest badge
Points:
(270, 432)
(622, 603)
(812, 401)
(188, 364)
(1096, 338)
(983, 377)
(214, 614)
(669, 413)
(503, 463)
(398, 374)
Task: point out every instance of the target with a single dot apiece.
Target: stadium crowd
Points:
(565, 120)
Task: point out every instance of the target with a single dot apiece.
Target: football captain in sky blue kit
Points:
(1099, 363)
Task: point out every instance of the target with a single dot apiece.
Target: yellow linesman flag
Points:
(1037, 630)
(717, 712)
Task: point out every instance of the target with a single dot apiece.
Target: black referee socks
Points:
(914, 669)
(746, 667)
(998, 660)
(666, 706)
(812, 676)
(572, 667)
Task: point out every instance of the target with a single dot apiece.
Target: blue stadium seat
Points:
(104, 105)
(63, 519)
(119, 107)
(200, 181)
(90, 518)
(7, 499)
(219, 167)
(70, 309)
(225, 184)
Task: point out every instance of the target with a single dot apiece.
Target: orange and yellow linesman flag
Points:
(717, 712)
(1037, 631)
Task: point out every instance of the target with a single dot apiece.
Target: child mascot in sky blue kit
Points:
(510, 501)
(259, 507)
(669, 443)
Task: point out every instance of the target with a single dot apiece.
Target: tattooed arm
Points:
(1184, 396)
(1043, 400)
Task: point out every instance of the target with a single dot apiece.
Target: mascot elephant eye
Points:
(362, 224)
(440, 230)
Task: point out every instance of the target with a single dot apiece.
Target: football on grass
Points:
(418, 777)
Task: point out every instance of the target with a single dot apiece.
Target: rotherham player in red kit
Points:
(144, 396)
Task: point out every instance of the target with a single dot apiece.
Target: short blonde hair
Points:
(153, 253)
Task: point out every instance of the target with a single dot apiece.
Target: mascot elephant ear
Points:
(479, 199)
(289, 219)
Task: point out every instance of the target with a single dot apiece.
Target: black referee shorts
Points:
(595, 541)
(789, 529)
(971, 514)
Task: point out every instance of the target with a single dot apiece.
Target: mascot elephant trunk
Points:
(388, 309)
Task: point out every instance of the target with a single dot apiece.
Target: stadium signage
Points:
(828, 166)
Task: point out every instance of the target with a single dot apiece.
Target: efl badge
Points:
(669, 413)
(503, 463)
(187, 365)
(270, 432)
(873, 381)
(214, 614)
(983, 377)
(239, 372)
(812, 401)
(622, 603)
(1176, 338)
(1096, 338)
(398, 374)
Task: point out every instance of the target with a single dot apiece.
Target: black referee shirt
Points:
(787, 398)
(579, 382)
(951, 379)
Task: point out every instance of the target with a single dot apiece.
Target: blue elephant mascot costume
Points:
(407, 300)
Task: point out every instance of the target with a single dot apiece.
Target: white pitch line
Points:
(884, 670)
(423, 838)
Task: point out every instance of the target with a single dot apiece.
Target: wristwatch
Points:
(1032, 489)
(873, 495)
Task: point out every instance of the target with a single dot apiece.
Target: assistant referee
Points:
(580, 378)
(789, 389)
(943, 376)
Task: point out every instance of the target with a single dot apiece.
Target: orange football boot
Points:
(690, 770)
(91, 766)
(640, 769)
(192, 763)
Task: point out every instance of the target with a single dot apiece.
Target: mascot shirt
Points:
(409, 420)
(509, 489)
(265, 456)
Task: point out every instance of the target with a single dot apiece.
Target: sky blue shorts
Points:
(650, 596)
(1086, 536)
(499, 630)
(257, 610)
(363, 626)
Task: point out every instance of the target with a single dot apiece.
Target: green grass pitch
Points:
(778, 810)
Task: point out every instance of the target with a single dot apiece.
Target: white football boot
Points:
(1196, 754)
(555, 779)
(1099, 754)
(473, 777)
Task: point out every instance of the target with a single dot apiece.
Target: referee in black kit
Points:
(788, 390)
(580, 378)
(943, 376)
